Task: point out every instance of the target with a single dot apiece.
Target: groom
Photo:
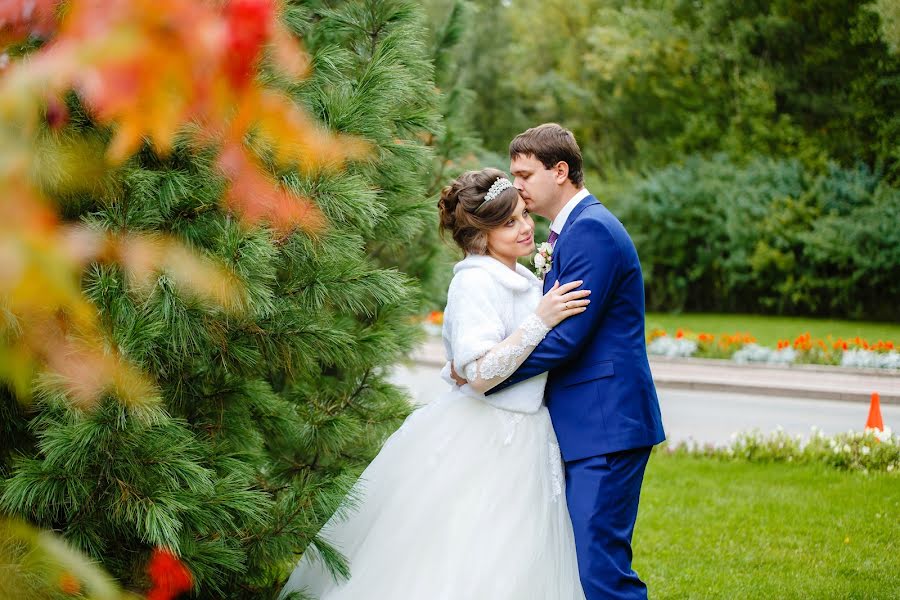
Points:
(600, 393)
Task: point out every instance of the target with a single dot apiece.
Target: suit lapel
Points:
(552, 275)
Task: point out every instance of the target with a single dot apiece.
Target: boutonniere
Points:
(543, 259)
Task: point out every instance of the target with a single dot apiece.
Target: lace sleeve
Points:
(503, 359)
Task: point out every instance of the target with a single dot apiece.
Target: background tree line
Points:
(689, 102)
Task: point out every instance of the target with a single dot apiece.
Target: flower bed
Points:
(804, 349)
(433, 323)
(743, 348)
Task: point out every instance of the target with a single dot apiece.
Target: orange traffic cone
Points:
(874, 421)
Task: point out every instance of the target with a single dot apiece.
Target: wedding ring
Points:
(567, 305)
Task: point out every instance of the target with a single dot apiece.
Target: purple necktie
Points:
(552, 239)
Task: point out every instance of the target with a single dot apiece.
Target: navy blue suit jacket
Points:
(600, 392)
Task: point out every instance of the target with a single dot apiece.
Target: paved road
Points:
(706, 416)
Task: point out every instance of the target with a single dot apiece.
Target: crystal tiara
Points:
(497, 187)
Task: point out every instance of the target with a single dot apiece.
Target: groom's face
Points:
(537, 184)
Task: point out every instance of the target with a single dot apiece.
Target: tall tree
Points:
(267, 416)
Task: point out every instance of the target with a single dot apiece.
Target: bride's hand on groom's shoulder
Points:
(562, 302)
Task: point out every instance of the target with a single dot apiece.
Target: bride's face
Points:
(515, 237)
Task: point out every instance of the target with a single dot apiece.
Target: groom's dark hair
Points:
(550, 143)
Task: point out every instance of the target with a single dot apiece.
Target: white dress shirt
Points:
(560, 221)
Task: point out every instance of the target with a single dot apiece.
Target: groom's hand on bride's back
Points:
(456, 377)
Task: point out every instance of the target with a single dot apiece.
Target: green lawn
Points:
(768, 330)
(712, 529)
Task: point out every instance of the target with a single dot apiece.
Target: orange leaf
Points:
(255, 197)
(21, 18)
(288, 53)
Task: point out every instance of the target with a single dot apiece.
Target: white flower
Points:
(865, 450)
(890, 468)
(543, 259)
(846, 448)
(883, 436)
(671, 347)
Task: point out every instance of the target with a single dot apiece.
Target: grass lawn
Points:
(712, 529)
(768, 330)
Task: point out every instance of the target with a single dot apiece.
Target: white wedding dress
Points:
(466, 500)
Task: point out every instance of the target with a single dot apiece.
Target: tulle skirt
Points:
(464, 502)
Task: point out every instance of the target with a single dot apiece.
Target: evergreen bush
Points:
(267, 416)
(767, 236)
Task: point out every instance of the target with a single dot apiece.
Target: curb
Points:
(786, 392)
(717, 362)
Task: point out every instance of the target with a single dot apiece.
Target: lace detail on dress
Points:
(501, 362)
(533, 330)
(556, 473)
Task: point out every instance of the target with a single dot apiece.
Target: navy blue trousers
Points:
(603, 493)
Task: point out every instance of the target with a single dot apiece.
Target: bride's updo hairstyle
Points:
(466, 215)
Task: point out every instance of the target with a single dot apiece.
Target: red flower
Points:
(679, 334)
(169, 576)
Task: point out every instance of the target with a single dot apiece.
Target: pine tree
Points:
(268, 416)
(457, 147)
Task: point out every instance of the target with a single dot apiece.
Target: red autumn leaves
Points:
(155, 68)
(156, 73)
(249, 24)
(18, 20)
(168, 575)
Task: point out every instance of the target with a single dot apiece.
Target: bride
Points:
(466, 500)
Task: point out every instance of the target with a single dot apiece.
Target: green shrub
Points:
(766, 236)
